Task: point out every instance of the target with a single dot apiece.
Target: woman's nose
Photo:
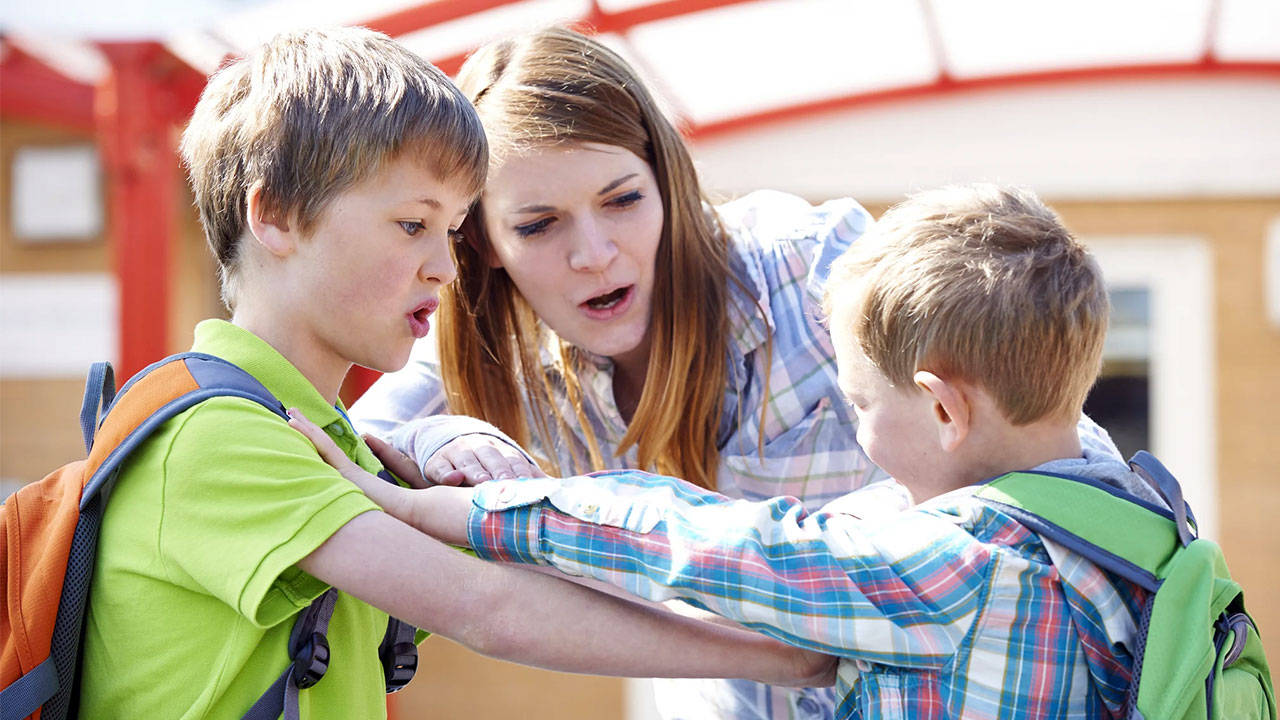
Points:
(593, 248)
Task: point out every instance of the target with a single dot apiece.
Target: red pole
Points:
(135, 124)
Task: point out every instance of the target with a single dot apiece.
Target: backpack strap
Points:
(398, 649)
(99, 392)
(1164, 483)
(309, 653)
(113, 425)
(1115, 530)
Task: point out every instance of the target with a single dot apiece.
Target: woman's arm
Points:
(407, 408)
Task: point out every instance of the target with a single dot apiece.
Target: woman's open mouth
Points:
(610, 304)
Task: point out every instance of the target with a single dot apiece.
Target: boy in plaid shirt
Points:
(968, 327)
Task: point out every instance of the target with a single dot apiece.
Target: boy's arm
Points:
(522, 616)
(904, 592)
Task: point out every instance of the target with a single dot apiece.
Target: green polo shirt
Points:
(197, 585)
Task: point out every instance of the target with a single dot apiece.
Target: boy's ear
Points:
(268, 228)
(952, 408)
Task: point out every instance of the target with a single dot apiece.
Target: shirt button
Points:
(809, 707)
(338, 429)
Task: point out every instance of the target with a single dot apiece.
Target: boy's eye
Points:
(627, 200)
(411, 227)
(535, 227)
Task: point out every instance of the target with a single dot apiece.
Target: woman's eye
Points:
(411, 227)
(627, 200)
(534, 227)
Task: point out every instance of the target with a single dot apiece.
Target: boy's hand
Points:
(392, 498)
(475, 458)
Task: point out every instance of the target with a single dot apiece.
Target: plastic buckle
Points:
(1239, 625)
(399, 663)
(311, 662)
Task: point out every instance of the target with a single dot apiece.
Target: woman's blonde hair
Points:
(558, 87)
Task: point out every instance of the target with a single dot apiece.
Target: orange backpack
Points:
(49, 531)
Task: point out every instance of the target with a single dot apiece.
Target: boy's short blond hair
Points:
(982, 284)
(312, 113)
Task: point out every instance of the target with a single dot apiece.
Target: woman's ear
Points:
(268, 228)
(952, 408)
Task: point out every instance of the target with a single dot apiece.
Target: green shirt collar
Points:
(286, 382)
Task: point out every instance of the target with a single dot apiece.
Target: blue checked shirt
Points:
(950, 609)
(782, 251)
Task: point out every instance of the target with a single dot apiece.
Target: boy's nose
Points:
(592, 249)
(438, 267)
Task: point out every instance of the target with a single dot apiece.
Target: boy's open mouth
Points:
(608, 300)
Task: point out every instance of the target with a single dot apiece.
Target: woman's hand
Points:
(475, 458)
(400, 464)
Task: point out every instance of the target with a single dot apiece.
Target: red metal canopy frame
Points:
(149, 94)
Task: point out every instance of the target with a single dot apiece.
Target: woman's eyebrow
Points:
(616, 183)
(532, 209)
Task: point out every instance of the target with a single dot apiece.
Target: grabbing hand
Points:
(475, 458)
(390, 497)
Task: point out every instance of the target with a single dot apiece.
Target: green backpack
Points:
(1198, 654)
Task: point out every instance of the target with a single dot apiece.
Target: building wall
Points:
(38, 430)
(38, 407)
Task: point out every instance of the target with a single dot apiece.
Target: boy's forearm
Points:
(582, 630)
(441, 511)
(526, 617)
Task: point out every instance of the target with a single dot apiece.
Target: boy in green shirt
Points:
(331, 170)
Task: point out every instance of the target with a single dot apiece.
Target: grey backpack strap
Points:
(399, 654)
(309, 653)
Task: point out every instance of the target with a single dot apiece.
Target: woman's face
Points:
(577, 229)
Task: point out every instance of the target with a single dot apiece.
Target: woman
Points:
(606, 315)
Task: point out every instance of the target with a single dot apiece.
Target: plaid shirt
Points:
(950, 609)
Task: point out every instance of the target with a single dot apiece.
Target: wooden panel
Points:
(195, 276)
(453, 682)
(44, 257)
(39, 426)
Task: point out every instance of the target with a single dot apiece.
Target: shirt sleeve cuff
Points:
(505, 524)
(423, 437)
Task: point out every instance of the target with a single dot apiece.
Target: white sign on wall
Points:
(56, 324)
(57, 193)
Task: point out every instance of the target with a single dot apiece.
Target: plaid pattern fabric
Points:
(947, 610)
